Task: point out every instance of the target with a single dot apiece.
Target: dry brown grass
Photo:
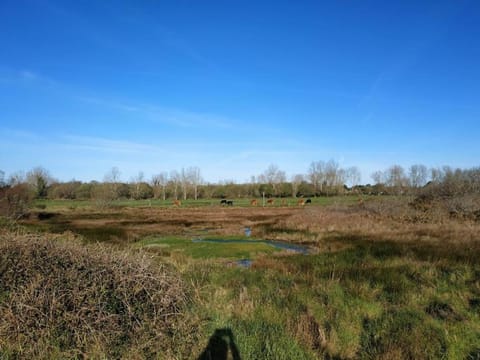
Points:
(59, 298)
(129, 224)
(325, 227)
(382, 220)
(308, 332)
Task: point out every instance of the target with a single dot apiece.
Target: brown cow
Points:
(254, 202)
(301, 202)
(177, 203)
(271, 201)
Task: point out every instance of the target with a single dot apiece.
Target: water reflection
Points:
(302, 249)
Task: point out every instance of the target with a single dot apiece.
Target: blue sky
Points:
(233, 86)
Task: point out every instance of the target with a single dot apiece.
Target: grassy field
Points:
(79, 204)
(165, 246)
(383, 280)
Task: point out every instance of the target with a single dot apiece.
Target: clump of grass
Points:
(396, 335)
(443, 311)
(308, 331)
(64, 299)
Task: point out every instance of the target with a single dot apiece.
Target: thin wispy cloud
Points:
(26, 74)
(107, 103)
(108, 145)
(151, 112)
(22, 135)
(162, 114)
(24, 77)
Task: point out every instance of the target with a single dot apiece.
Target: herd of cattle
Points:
(254, 202)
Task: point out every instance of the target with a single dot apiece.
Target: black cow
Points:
(223, 202)
(308, 201)
(230, 203)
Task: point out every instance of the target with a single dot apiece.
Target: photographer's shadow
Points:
(220, 345)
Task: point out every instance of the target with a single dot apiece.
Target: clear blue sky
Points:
(233, 86)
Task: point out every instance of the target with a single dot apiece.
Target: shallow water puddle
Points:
(301, 249)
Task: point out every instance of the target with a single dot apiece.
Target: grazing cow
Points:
(223, 202)
(176, 203)
(271, 201)
(254, 202)
(309, 201)
(229, 202)
(301, 202)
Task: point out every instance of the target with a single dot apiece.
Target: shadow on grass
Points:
(219, 346)
(386, 248)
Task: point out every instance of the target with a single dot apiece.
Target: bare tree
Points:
(332, 172)
(378, 177)
(316, 175)
(396, 177)
(273, 176)
(436, 175)
(111, 179)
(175, 181)
(195, 179)
(137, 185)
(447, 171)
(185, 182)
(296, 181)
(417, 175)
(160, 181)
(16, 178)
(353, 176)
(113, 175)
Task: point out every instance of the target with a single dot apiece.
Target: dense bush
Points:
(457, 193)
(61, 299)
(14, 201)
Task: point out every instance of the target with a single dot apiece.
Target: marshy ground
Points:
(383, 280)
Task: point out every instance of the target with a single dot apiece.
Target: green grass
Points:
(56, 205)
(361, 302)
(205, 250)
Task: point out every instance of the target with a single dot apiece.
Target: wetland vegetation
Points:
(385, 279)
(386, 276)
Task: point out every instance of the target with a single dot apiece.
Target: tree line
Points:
(322, 178)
